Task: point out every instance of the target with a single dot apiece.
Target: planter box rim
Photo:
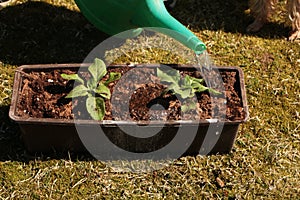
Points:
(32, 120)
(23, 120)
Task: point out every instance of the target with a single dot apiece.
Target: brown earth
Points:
(43, 96)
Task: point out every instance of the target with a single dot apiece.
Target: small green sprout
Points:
(95, 104)
(184, 87)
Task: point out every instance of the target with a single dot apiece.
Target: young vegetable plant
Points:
(95, 104)
(185, 87)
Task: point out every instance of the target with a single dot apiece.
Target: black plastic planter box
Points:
(47, 134)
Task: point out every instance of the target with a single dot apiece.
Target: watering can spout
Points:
(115, 16)
(153, 13)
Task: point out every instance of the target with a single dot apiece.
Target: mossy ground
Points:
(265, 161)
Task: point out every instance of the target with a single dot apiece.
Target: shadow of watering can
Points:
(116, 16)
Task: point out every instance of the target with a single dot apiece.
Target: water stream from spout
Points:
(205, 64)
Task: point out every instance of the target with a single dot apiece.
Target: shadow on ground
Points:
(12, 147)
(37, 32)
(228, 16)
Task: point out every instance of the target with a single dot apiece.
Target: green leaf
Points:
(92, 83)
(184, 108)
(103, 91)
(190, 106)
(184, 92)
(170, 76)
(78, 91)
(187, 81)
(96, 107)
(196, 80)
(74, 77)
(97, 69)
(214, 91)
(173, 87)
(187, 93)
(199, 87)
(113, 76)
(185, 87)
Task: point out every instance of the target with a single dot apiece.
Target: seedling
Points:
(95, 104)
(185, 87)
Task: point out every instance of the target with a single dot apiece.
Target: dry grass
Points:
(265, 161)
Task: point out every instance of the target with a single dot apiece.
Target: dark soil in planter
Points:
(43, 96)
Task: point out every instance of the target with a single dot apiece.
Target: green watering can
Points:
(116, 16)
